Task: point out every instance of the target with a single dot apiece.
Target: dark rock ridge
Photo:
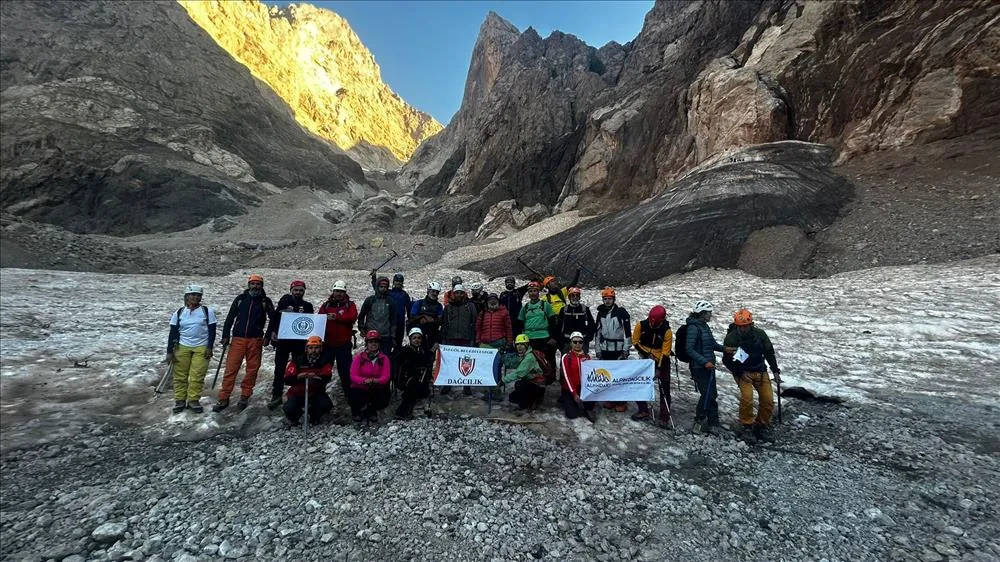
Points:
(704, 220)
(573, 127)
(125, 118)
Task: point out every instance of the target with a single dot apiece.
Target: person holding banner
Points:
(528, 377)
(246, 320)
(653, 339)
(316, 367)
(189, 349)
(746, 349)
(370, 374)
(294, 301)
(572, 367)
(414, 364)
(701, 347)
(613, 334)
(341, 312)
(458, 327)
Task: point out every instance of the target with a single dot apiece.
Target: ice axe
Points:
(778, 382)
(163, 380)
(525, 264)
(575, 260)
(387, 260)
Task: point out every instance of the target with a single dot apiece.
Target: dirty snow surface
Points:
(907, 467)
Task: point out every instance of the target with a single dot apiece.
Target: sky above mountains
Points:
(424, 47)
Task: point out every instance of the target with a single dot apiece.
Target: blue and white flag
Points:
(299, 326)
(466, 366)
(617, 381)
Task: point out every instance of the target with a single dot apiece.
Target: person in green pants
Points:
(189, 349)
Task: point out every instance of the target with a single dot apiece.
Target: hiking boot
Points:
(358, 420)
(196, 407)
(404, 416)
(747, 433)
(274, 403)
(179, 406)
(640, 416)
(591, 415)
(621, 408)
(763, 433)
(220, 405)
(664, 423)
(429, 413)
(372, 418)
(243, 403)
(467, 391)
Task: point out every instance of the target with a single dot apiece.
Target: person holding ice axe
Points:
(189, 349)
(306, 376)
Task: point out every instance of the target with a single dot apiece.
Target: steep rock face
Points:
(704, 220)
(127, 118)
(316, 63)
(707, 77)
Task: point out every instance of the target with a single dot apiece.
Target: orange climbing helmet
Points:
(314, 340)
(608, 292)
(742, 317)
(548, 279)
(255, 278)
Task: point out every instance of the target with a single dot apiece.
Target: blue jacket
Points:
(701, 344)
(402, 300)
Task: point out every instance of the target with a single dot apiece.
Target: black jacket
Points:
(286, 301)
(575, 318)
(248, 316)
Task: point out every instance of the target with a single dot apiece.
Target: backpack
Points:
(181, 309)
(548, 373)
(680, 348)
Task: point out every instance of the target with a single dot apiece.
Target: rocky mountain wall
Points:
(125, 118)
(313, 59)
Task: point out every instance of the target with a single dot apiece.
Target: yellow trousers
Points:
(189, 372)
(761, 382)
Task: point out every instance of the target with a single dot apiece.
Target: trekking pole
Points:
(305, 424)
(575, 260)
(221, 356)
(778, 382)
(163, 380)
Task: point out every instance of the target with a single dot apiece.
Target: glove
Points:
(170, 358)
(208, 353)
(710, 365)
(225, 341)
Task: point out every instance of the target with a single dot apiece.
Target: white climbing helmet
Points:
(702, 306)
(576, 335)
(434, 286)
(477, 286)
(193, 289)
(415, 330)
(339, 285)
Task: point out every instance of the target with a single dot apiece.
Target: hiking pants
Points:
(240, 349)
(413, 390)
(282, 352)
(319, 404)
(762, 383)
(542, 344)
(342, 356)
(189, 372)
(385, 345)
(708, 406)
(527, 394)
(367, 402)
(571, 408)
(663, 378)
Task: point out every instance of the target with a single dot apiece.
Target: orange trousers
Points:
(240, 349)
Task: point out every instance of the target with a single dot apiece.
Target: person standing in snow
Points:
(414, 365)
(341, 312)
(294, 301)
(370, 373)
(511, 299)
(189, 349)
(458, 326)
(539, 320)
(493, 327)
(478, 297)
(575, 317)
(572, 369)
(317, 367)
(528, 377)
(653, 339)
(753, 348)
(613, 334)
(455, 281)
(701, 347)
(247, 318)
(378, 313)
(402, 301)
(427, 314)
(556, 295)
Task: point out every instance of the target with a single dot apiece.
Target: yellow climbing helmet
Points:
(522, 338)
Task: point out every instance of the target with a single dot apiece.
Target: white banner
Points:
(299, 326)
(466, 366)
(617, 381)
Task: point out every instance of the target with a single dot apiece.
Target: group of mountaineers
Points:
(528, 334)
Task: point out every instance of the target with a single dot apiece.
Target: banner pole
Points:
(305, 425)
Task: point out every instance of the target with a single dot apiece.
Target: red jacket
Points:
(322, 367)
(572, 366)
(494, 325)
(338, 330)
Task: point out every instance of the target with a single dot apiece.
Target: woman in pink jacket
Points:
(369, 381)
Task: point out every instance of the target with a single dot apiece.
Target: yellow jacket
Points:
(655, 343)
(555, 301)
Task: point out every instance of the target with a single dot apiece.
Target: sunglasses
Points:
(577, 342)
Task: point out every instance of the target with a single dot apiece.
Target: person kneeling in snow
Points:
(370, 373)
(572, 366)
(528, 377)
(414, 364)
(312, 369)
(750, 372)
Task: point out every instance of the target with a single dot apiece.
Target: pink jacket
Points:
(364, 370)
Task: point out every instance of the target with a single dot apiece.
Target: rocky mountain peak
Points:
(316, 63)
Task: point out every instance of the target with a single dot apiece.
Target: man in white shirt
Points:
(189, 348)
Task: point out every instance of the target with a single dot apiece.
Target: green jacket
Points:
(527, 369)
(756, 344)
(535, 316)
